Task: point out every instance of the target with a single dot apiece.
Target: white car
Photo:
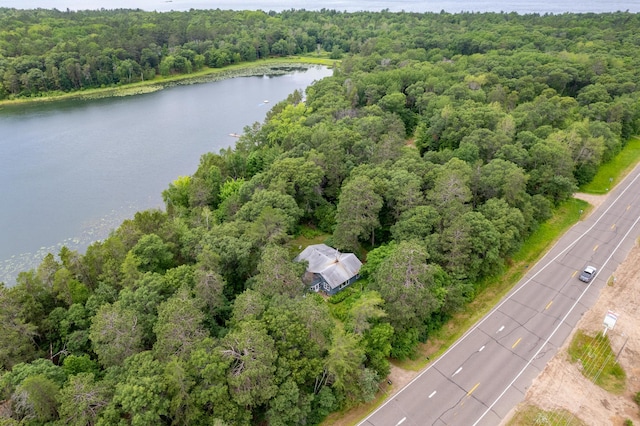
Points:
(587, 274)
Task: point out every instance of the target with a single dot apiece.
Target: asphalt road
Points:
(488, 370)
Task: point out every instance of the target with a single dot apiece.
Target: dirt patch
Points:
(400, 378)
(594, 200)
(561, 385)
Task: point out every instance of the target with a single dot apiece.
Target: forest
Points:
(441, 142)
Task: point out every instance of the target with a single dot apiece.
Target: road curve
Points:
(484, 374)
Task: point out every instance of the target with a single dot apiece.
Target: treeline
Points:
(439, 145)
(52, 51)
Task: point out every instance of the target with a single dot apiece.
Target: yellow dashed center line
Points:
(548, 305)
(473, 388)
(613, 226)
(595, 248)
(516, 343)
(574, 274)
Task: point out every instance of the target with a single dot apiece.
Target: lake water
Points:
(73, 171)
(453, 6)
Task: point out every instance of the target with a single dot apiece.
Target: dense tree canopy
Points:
(439, 144)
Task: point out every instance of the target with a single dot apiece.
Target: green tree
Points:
(451, 194)
(471, 247)
(74, 365)
(412, 288)
(115, 334)
(278, 274)
(12, 379)
(143, 301)
(508, 222)
(586, 150)
(209, 285)
(375, 258)
(140, 393)
(35, 399)
(179, 385)
(503, 179)
(367, 309)
(154, 255)
(552, 170)
(82, 399)
(299, 350)
(403, 192)
(179, 326)
(277, 202)
(418, 223)
(344, 365)
(69, 289)
(17, 337)
(176, 197)
(357, 213)
(297, 177)
(252, 354)
(289, 405)
(210, 400)
(378, 347)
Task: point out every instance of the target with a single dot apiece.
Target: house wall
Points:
(334, 291)
(319, 284)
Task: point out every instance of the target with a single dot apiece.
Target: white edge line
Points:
(471, 330)
(586, 288)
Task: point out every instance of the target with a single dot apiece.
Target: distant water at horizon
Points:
(451, 6)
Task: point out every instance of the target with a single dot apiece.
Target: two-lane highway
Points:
(487, 371)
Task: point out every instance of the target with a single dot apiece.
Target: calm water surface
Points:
(453, 6)
(71, 172)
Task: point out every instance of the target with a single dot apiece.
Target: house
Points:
(329, 270)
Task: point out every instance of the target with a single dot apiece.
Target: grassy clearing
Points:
(598, 361)
(306, 237)
(532, 415)
(614, 171)
(268, 66)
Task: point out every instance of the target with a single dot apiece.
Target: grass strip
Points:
(612, 172)
(493, 289)
(598, 361)
(532, 415)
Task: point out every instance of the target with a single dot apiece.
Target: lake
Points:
(73, 171)
(453, 6)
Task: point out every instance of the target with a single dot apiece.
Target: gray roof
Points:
(333, 266)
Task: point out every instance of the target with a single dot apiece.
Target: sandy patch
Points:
(594, 200)
(562, 386)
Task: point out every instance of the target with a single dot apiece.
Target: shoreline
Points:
(272, 66)
(24, 261)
